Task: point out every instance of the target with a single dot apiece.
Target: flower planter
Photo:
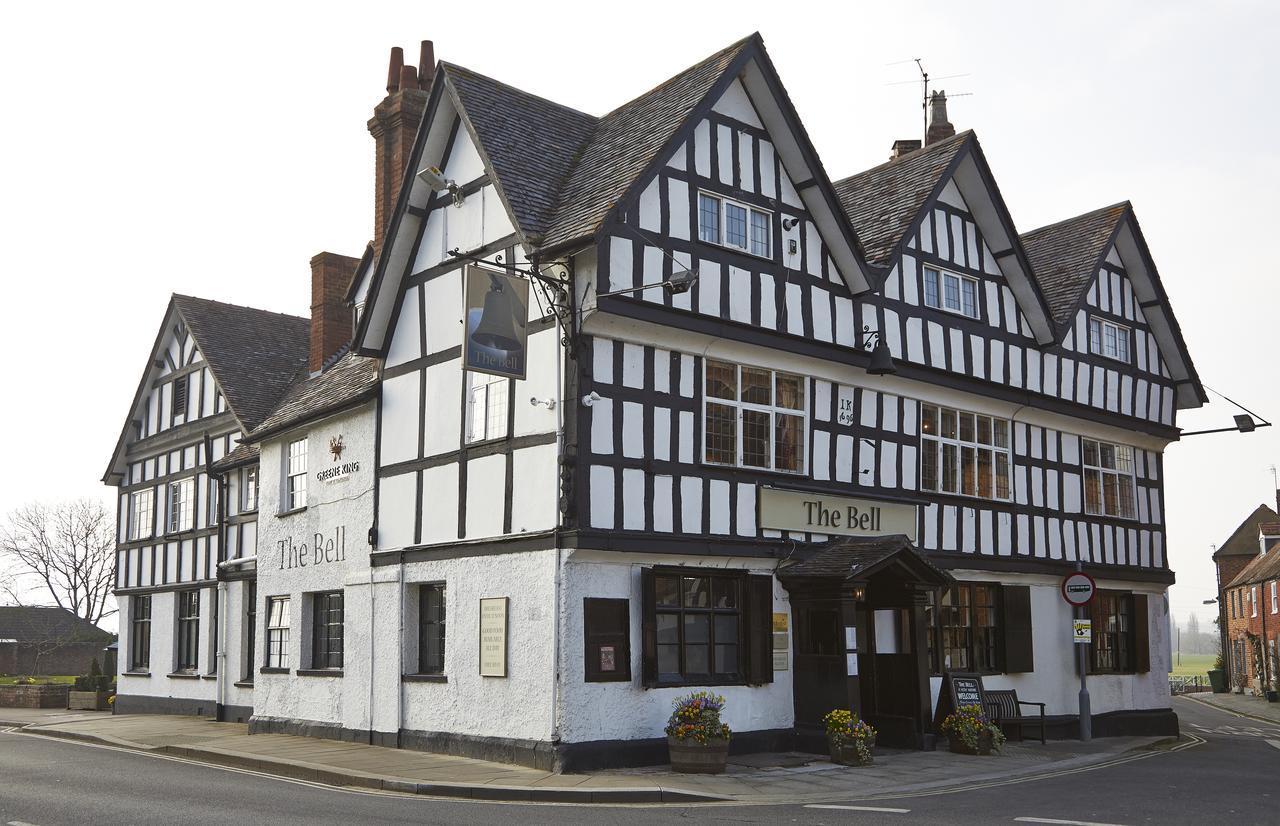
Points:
(959, 746)
(846, 754)
(1218, 679)
(691, 757)
(88, 700)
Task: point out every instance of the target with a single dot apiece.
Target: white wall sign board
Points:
(795, 510)
(1082, 631)
(493, 637)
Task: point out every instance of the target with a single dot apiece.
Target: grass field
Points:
(57, 678)
(1193, 664)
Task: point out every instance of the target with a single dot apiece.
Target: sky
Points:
(212, 150)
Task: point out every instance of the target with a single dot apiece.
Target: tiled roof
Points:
(36, 623)
(883, 201)
(851, 558)
(244, 454)
(531, 142)
(254, 354)
(626, 141)
(1244, 539)
(1269, 529)
(1263, 568)
(1065, 256)
(352, 378)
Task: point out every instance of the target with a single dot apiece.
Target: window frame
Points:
(1121, 332)
(134, 530)
(432, 629)
(739, 676)
(180, 516)
(1275, 599)
(327, 645)
(1102, 474)
(140, 634)
(182, 383)
(941, 291)
(251, 630)
(487, 382)
(1253, 600)
(295, 476)
(249, 489)
(276, 654)
(749, 226)
(993, 646)
(1121, 640)
(187, 636)
(596, 636)
(773, 409)
(959, 446)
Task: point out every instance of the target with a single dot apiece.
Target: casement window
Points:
(1120, 640)
(704, 627)
(488, 400)
(142, 514)
(431, 627)
(277, 632)
(1253, 600)
(954, 293)
(212, 500)
(296, 475)
(182, 505)
(250, 628)
(140, 633)
(248, 489)
(1275, 600)
(326, 630)
(964, 453)
(731, 224)
(753, 417)
(1108, 479)
(180, 396)
(188, 631)
(980, 627)
(1109, 339)
(606, 635)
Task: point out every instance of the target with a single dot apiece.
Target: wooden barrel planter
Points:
(847, 755)
(958, 746)
(691, 757)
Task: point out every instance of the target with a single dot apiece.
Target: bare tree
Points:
(65, 550)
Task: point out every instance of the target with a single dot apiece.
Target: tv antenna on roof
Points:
(924, 92)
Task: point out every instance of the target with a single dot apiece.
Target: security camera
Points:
(788, 224)
(434, 178)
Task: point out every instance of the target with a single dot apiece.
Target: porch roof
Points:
(850, 558)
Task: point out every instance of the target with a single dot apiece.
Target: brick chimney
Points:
(939, 127)
(393, 126)
(903, 147)
(331, 274)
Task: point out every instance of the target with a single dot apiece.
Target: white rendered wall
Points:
(164, 651)
(627, 711)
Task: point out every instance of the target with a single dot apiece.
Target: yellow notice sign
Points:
(779, 622)
(1082, 631)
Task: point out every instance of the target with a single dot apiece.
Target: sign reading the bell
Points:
(796, 510)
(496, 323)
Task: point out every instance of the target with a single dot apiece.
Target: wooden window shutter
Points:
(606, 635)
(648, 630)
(1141, 635)
(759, 624)
(1019, 654)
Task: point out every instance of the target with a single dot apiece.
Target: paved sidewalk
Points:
(750, 778)
(1246, 704)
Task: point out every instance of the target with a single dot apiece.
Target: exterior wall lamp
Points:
(679, 282)
(858, 590)
(1244, 422)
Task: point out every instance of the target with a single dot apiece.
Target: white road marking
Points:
(20, 823)
(886, 809)
(1062, 822)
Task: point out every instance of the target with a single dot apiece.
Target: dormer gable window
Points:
(954, 293)
(731, 224)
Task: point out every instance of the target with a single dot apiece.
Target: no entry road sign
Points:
(1078, 589)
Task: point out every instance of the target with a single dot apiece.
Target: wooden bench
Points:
(1005, 709)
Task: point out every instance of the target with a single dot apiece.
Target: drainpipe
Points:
(555, 614)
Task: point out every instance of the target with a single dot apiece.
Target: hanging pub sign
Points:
(497, 316)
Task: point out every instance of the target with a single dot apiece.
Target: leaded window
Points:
(487, 406)
(140, 632)
(1106, 338)
(754, 417)
(963, 629)
(1108, 480)
(964, 453)
(431, 619)
(142, 514)
(182, 505)
(1113, 632)
(698, 622)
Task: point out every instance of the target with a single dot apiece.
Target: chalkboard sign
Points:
(959, 689)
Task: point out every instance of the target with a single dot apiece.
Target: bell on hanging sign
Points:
(881, 361)
(497, 327)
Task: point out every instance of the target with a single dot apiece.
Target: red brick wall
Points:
(34, 696)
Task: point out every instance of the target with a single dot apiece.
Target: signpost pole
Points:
(1086, 720)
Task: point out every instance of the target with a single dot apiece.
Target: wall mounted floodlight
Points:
(679, 282)
(1245, 422)
(789, 224)
(434, 178)
(590, 399)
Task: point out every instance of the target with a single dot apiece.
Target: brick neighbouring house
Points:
(1238, 562)
(48, 640)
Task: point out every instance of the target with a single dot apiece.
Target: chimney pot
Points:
(426, 65)
(939, 127)
(393, 70)
(902, 147)
(408, 77)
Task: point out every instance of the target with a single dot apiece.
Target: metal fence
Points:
(1183, 684)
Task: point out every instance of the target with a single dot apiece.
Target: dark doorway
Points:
(819, 683)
